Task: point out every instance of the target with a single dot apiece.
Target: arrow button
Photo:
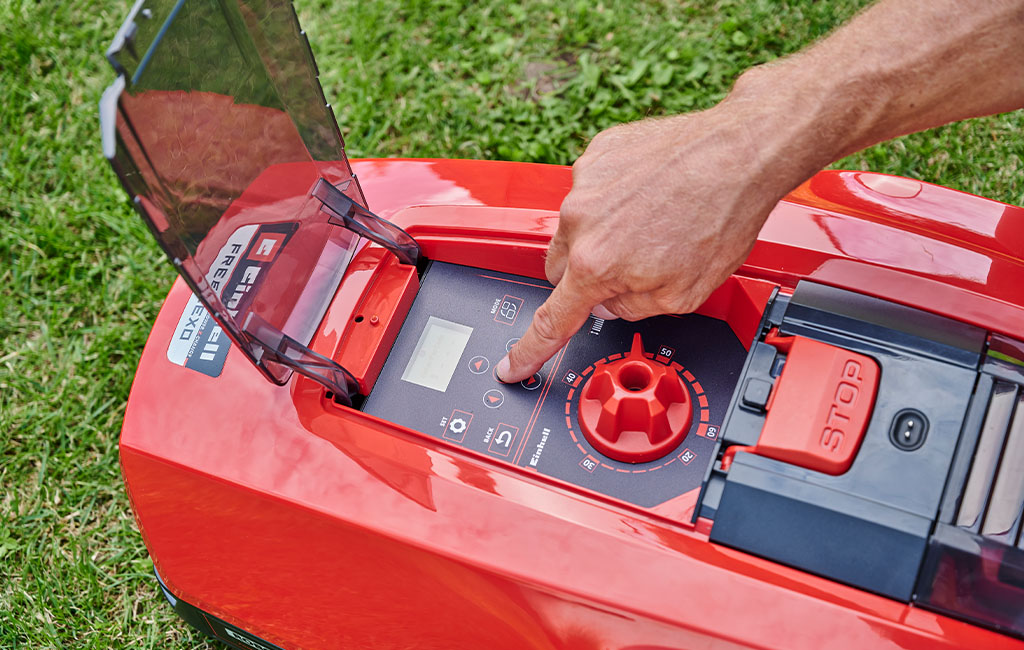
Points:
(478, 365)
(532, 383)
(493, 398)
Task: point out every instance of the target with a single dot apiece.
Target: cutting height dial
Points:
(634, 409)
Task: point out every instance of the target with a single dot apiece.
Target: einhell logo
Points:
(844, 406)
(198, 342)
(239, 289)
(266, 246)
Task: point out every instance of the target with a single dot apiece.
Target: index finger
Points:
(553, 324)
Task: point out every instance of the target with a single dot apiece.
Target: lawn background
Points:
(81, 280)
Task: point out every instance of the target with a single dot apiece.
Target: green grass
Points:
(81, 280)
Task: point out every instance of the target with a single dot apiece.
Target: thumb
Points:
(553, 324)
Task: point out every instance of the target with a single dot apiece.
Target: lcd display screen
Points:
(437, 354)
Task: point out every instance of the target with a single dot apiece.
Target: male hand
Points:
(660, 213)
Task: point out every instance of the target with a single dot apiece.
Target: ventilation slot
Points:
(993, 499)
(974, 566)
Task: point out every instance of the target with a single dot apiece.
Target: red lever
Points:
(634, 409)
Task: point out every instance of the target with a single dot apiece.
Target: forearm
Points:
(692, 191)
(899, 67)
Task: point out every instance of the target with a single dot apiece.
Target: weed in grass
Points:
(81, 280)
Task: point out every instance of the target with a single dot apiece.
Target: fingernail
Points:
(602, 312)
(502, 368)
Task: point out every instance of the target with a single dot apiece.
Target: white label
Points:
(196, 320)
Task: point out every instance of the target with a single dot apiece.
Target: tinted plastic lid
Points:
(219, 131)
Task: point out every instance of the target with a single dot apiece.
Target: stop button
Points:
(820, 405)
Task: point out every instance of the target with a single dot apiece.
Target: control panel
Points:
(630, 410)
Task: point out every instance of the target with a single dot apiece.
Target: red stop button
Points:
(820, 406)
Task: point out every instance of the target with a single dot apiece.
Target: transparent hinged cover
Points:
(219, 131)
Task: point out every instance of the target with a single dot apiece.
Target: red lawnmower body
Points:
(313, 525)
(827, 454)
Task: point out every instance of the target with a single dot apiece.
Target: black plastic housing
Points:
(974, 564)
(868, 527)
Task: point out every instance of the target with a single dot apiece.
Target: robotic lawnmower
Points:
(829, 453)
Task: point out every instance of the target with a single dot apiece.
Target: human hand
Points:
(660, 213)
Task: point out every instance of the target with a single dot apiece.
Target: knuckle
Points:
(586, 264)
(671, 300)
(603, 141)
(544, 325)
(552, 267)
(612, 304)
(676, 302)
(690, 301)
(570, 211)
(633, 314)
(517, 357)
(558, 245)
(600, 138)
(665, 304)
(687, 305)
(623, 309)
(580, 165)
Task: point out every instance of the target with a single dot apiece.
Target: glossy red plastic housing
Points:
(635, 409)
(313, 525)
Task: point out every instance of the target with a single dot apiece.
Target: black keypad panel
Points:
(477, 315)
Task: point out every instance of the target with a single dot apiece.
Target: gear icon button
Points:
(455, 427)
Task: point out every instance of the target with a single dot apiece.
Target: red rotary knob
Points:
(634, 409)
